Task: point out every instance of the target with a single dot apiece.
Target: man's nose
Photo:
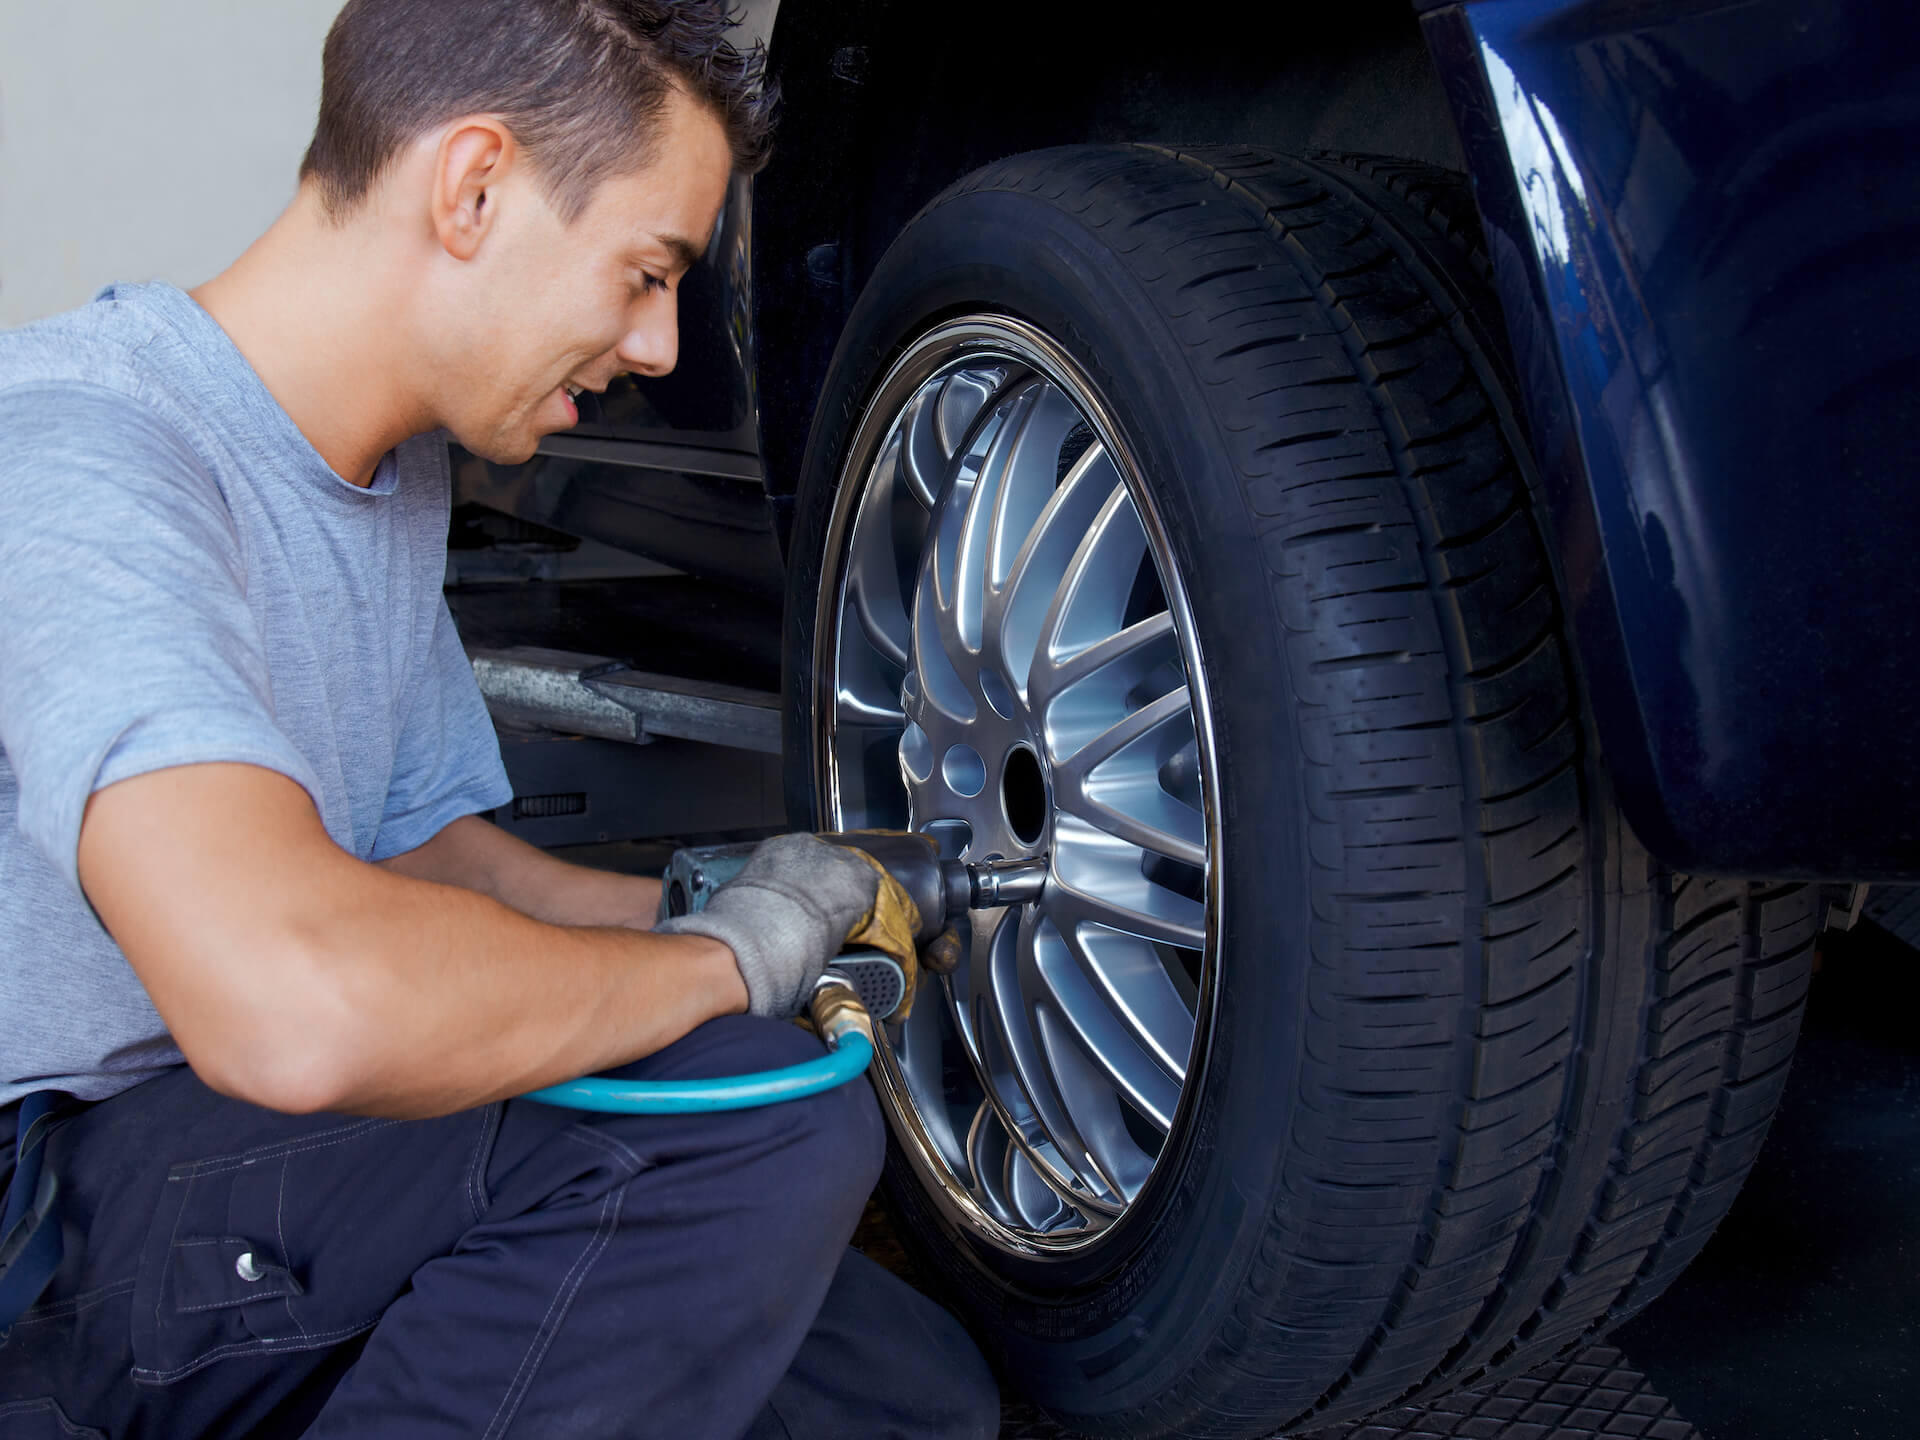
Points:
(651, 345)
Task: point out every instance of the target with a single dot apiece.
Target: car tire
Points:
(1470, 1076)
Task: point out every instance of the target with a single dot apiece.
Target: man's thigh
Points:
(184, 1212)
(232, 1260)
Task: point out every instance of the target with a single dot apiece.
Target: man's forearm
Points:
(552, 1002)
(477, 855)
(295, 976)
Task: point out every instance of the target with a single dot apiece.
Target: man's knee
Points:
(842, 1131)
(828, 1146)
(837, 1136)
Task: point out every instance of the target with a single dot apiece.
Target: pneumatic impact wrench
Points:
(941, 891)
(858, 988)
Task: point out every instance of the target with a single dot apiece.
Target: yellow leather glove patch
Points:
(889, 927)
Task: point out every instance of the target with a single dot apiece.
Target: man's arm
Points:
(293, 975)
(481, 856)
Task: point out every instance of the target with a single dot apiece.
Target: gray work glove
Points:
(784, 916)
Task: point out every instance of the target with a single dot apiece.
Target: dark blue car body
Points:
(1703, 218)
(1705, 221)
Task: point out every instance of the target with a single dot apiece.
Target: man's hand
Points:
(784, 916)
(293, 975)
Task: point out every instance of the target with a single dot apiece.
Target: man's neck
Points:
(309, 308)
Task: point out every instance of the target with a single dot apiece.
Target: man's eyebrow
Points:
(685, 253)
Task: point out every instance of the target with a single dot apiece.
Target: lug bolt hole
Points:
(965, 771)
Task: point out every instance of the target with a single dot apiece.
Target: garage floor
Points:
(1801, 1318)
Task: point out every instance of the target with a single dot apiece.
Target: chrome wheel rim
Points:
(1005, 659)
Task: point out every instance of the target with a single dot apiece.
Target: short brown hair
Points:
(578, 82)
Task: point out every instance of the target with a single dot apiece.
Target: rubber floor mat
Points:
(1896, 909)
(1594, 1395)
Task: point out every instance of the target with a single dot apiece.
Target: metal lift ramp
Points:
(600, 751)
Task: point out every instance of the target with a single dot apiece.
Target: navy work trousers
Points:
(512, 1270)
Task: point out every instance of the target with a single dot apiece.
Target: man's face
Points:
(558, 307)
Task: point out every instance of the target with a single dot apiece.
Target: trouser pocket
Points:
(236, 1259)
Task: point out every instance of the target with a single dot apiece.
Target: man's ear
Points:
(473, 157)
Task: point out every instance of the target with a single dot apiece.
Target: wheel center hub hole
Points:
(1023, 791)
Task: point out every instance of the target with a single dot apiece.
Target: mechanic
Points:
(252, 919)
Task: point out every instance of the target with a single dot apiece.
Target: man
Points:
(243, 767)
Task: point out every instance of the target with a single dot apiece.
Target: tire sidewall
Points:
(1133, 1314)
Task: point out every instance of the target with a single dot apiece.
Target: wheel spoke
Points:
(920, 1045)
(866, 691)
(1112, 778)
(853, 709)
(1077, 699)
(1023, 1091)
(1016, 484)
(873, 568)
(1035, 1194)
(1117, 1020)
(886, 629)
(1174, 708)
(1139, 648)
(1100, 878)
(961, 400)
(1150, 818)
(1131, 975)
(1089, 1087)
(1012, 1067)
(988, 1147)
(942, 589)
(1021, 606)
(1135, 809)
(974, 534)
(923, 463)
(1030, 478)
(1060, 1155)
(1091, 600)
(1052, 1076)
(940, 683)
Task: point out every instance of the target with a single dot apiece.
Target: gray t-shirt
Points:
(183, 579)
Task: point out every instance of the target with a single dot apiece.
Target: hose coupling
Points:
(836, 1010)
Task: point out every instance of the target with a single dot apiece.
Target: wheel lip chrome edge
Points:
(991, 336)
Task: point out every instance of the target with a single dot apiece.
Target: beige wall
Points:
(144, 139)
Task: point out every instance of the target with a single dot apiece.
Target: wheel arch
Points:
(880, 112)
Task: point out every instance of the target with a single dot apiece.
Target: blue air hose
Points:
(840, 1064)
(843, 1023)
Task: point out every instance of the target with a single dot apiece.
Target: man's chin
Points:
(502, 449)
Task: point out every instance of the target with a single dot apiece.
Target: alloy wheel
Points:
(1006, 661)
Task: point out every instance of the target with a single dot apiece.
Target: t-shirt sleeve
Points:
(126, 643)
(447, 759)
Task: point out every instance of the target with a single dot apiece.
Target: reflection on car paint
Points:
(1711, 197)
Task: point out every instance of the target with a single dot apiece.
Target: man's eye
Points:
(651, 284)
